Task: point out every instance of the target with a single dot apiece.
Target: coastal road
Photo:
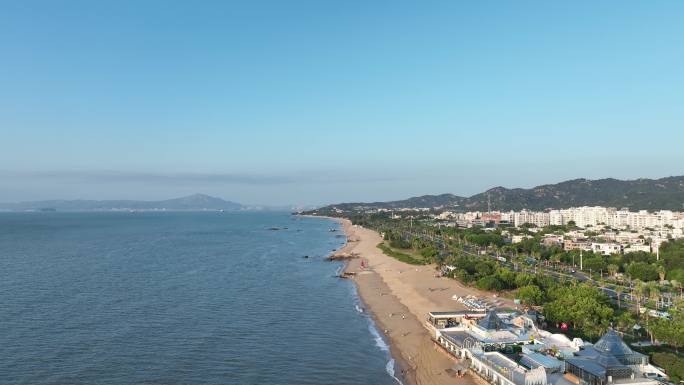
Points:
(625, 298)
(558, 276)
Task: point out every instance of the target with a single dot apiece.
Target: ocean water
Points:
(180, 298)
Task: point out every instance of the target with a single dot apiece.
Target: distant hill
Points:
(641, 194)
(446, 200)
(188, 203)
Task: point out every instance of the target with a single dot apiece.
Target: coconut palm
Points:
(640, 292)
(654, 293)
(612, 269)
(619, 290)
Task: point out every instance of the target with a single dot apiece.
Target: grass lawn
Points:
(402, 256)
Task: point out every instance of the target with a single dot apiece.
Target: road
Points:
(626, 300)
(558, 276)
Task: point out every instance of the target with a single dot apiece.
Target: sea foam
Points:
(382, 345)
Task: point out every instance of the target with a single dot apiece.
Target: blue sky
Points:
(310, 102)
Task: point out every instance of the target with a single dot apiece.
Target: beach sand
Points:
(399, 297)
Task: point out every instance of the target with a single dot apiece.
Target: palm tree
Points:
(612, 269)
(619, 290)
(640, 291)
(654, 293)
(661, 273)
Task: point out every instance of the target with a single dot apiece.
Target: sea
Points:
(181, 298)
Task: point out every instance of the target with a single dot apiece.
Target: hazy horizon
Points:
(312, 103)
(161, 198)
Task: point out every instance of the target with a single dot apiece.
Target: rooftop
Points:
(613, 344)
(491, 321)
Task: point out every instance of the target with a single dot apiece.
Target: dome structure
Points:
(611, 344)
(491, 321)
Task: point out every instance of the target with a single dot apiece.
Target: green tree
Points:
(613, 269)
(594, 263)
(625, 321)
(490, 283)
(642, 271)
(669, 331)
(640, 292)
(531, 295)
(677, 286)
(654, 293)
(584, 307)
(524, 279)
(619, 290)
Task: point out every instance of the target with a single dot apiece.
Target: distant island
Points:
(640, 194)
(194, 202)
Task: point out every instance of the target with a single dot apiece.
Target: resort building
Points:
(609, 361)
(489, 331)
(506, 348)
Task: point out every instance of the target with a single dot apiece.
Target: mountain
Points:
(443, 200)
(640, 194)
(188, 203)
(199, 201)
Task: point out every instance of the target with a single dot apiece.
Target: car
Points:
(572, 271)
(655, 376)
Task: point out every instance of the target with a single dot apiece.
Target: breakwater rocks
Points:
(342, 256)
(347, 274)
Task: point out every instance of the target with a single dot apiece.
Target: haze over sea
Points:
(179, 298)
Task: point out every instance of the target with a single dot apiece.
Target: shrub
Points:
(491, 283)
(531, 295)
(403, 257)
(642, 271)
(672, 363)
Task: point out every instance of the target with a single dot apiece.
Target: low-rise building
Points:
(577, 244)
(508, 349)
(609, 361)
(606, 248)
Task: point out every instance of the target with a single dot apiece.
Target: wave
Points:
(379, 342)
(390, 370)
(377, 337)
(382, 345)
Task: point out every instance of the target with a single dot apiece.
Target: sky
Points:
(314, 102)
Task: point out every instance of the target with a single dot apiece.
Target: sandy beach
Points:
(399, 296)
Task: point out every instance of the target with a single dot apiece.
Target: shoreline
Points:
(398, 297)
(402, 368)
